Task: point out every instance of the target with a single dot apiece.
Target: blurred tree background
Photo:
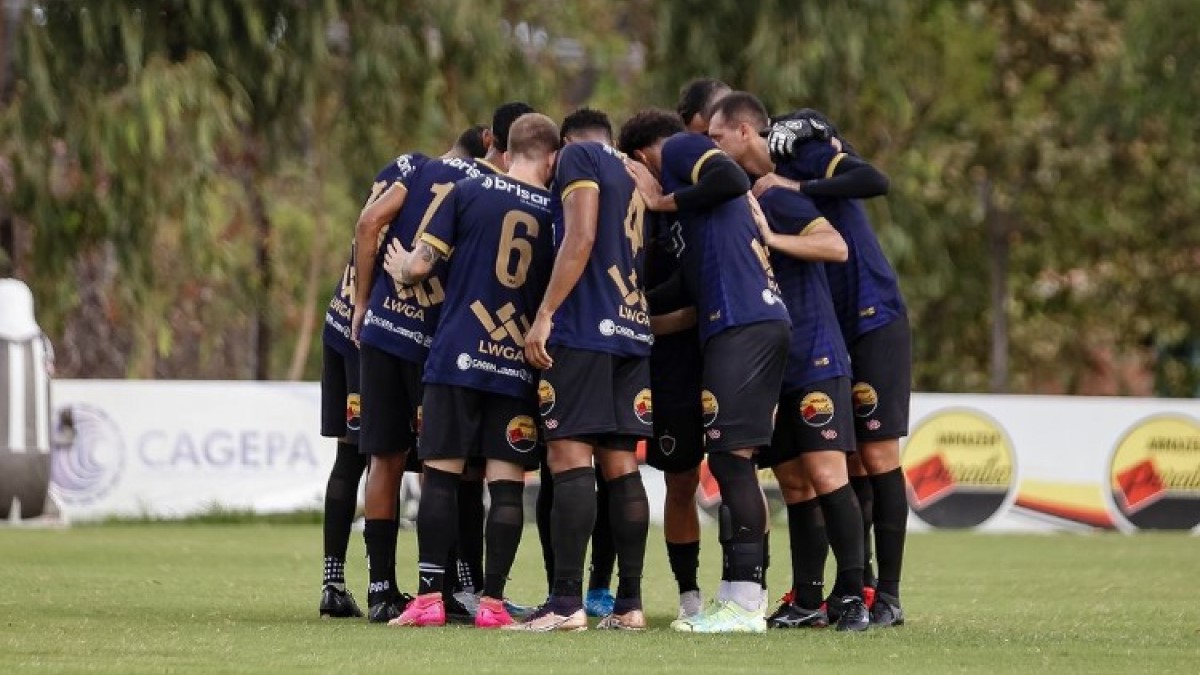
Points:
(179, 179)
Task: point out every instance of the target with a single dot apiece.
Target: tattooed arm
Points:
(410, 267)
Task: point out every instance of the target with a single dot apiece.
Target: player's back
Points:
(817, 350)
(726, 268)
(606, 311)
(865, 289)
(401, 318)
(497, 234)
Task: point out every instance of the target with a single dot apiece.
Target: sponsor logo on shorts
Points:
(463, 361)
(643, 407)
(873, 425)
(866, 400)
(713, 434)
(521, 434)
(551, 424)
(1154, 474)
(666, 443)
(709, 407)
(546, 398)
(829, 434)
(816, 409)
(353, 412)
(960, 467)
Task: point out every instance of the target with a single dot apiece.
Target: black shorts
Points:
(882, 365)
(391, 403)
(675, 370)
(596, 397)
(467, 423)
(743, 371)
(817, 417)
(340, 400)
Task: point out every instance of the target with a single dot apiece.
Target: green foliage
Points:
(158, 149)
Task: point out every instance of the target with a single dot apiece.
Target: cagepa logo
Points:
(88, 471)
(1154, 475)
(960, 468)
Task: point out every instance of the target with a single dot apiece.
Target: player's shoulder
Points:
(459, 168)
(688, 141)
(813, 159)
(401, 167)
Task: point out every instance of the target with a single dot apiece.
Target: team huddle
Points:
(706, 283)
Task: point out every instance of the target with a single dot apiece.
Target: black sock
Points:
(809, 548)
(604, 552)
(843, 524)
(341, 501)
(891, 526)
(380, 538)
(571, 523)
(866, 503)
(470, 535)
(766, 564)
(545, 503)
(504, 524)
(744, 517)
(629, 512)
(437, 528)
(685, 560)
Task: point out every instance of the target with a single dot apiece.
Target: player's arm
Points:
(673, 322)
(718, 180)
(411, 267)
(671, 309)
(817, 242)
(581, 209)
(371, 221)
(848, 177)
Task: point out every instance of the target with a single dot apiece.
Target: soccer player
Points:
(814, 428)
(874, 323)
(393, 324)
(744, 328)
(495, 234)
(591, 339)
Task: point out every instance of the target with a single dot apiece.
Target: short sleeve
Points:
(789, 212)
(683, 155)
(577, 168)
(442, 230)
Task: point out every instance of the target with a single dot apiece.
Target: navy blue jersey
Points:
(606, 311)
(341, 306)
(817, 351)
(400, 319)
(496, 232)
(725, 263)
(865, 291)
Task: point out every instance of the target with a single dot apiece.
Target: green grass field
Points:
(242, 598)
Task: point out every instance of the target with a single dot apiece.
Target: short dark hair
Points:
(695, 96)
(647, 127)
(503, 119)
(584, 119)
(471, 140)
(744, 106)
(533, 135)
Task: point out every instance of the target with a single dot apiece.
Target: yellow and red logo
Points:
(521, 433)
(353, 412)
(546, 398)
(643, 407)
(865, 398)
(709, 407)
(1155, 474)
(960, 467)
(816, 409)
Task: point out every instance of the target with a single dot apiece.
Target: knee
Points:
(682, 486)
(880, 456)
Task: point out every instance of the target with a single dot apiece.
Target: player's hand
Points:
(393, 261)
(784, 136)
(535, 342)
(760, 219)
(773, 180)
(356, 323)
(646, 183)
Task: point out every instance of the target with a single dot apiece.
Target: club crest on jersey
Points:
(816, 408)
(521, 433)
(709, 407)
(643, 407)
(866, 400)
(353, 412)
(546, 398)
